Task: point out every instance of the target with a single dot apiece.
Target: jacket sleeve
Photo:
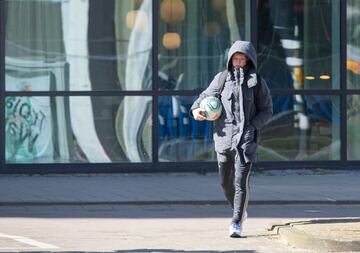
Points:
(211, 90)
(263, 106)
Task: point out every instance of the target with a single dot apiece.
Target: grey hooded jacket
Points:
(242, 112)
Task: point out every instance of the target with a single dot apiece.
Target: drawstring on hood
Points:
(244, 47)
(241, 106)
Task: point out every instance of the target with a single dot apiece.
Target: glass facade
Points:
(353, 44)
(111, 82)
(298, 43)
(353, 79)
(298, 49)
(78, 129)
(180, 137)
(194, 37)
(84, 45)
(353, 122)
(292, 135)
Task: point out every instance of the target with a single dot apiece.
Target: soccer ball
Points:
(212, 106)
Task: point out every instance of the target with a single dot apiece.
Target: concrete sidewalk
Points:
(267, 187)
(324, 235)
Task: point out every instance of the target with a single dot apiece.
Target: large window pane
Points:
(353, 123)
(78, 129)
(310, 132)
(307, 132)
(180, 137)
(353, 44)
(194, 37)
(299, 43)
(80, 45)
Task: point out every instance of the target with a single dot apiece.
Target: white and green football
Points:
(212, 106)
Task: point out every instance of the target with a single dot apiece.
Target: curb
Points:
(135, 202)
(300, 239)
(176, 202)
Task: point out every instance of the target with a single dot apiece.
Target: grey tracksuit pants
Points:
(234, 177)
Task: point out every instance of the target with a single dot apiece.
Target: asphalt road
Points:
(150, 228)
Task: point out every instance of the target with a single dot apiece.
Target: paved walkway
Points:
(267, 187)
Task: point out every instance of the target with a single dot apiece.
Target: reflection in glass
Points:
(299, 42)
(353, 123)
(29, 129)
(133, 43)
(82, 45)
(285, 137)
(182, 138)
(78, 129)
(353, 44)
(194, 37)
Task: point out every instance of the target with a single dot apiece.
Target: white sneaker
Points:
(235, 230)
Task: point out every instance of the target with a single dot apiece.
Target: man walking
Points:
(247, 106)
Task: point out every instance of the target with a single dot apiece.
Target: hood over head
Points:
(244, 47)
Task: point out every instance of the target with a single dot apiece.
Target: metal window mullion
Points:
(155, 84)
(343, 85)
(253, 23)
(2, 84)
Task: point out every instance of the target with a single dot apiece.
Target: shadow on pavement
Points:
(146, 251)
(195, 251)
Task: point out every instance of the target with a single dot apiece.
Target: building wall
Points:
(100, 86)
